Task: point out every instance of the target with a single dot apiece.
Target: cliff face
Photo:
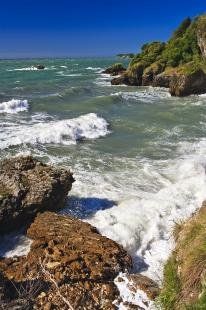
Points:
(201, 34)
(186, 48)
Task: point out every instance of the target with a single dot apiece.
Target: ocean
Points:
(138, 154)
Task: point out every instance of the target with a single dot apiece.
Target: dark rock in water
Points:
(122, 79)
(115, 69)
(40, 67)
(82, 263)
(27, 187)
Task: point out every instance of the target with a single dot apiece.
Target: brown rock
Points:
(27, 187)
(162, 80)
(185, 84)
(115, 69)
(82, 263)
(140, 282)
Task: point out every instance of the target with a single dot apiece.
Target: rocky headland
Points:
(178, 64)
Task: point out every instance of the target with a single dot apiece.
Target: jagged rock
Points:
(27, 187)
(151, 72)
(145, 284)
(162, 80)
(122, 79)
(82, 263)
(132, 77)
(115, 69)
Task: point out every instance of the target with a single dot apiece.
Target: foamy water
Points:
(14, 106)
(135, 184)
(64, 132)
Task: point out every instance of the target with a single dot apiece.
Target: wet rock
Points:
(40, 67)
(122, 79)
(72, 253)
(145, 284)
(27, 187)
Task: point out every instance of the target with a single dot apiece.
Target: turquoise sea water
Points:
(138, 155)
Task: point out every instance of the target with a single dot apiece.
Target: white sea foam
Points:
(14, 106)
(143, 220)
(14, 244)
(32, 68)
(97, 69)
(130, 294)
(103, 80)
(145, 95)
(66, 132)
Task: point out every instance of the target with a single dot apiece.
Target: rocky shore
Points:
(178, 64)
(69, 264)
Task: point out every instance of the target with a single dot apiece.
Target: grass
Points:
(184, 285)
(171, 286)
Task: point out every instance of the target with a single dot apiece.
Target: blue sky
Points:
(34, 28)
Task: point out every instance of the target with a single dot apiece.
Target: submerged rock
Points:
(82, 263)
(27, 187)
(40, 67)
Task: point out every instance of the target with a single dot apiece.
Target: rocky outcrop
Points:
(73, 259)
(115, 69)
(186, 84)
(162, 80)
(187, 79)
(186, 46)
(151, 72)
(27, 187)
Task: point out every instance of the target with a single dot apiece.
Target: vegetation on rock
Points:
(115, 69)
(183, 53)
(184, 284)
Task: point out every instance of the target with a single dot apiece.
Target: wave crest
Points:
(14, 106)
(65, 132)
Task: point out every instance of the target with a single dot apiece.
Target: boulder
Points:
(122, 79)
(27, 187)
(78, 263)
(188, 80)
(162, 80)
(115, 69)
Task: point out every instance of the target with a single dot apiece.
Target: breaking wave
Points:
(14, 106)
(145, 95)
(65, 132)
